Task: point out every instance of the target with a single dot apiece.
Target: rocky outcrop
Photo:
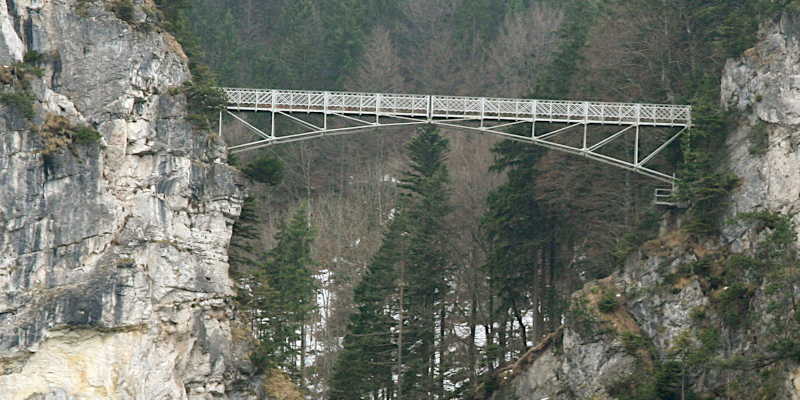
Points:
(113, 252)
(702, 317)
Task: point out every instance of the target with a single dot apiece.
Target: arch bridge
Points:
(569, 126)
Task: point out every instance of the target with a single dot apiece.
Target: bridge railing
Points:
(458, 107)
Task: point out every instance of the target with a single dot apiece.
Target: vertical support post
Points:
(274, 114)
(483, 110)
(585, 134)
(325, 110)
(534, 117)
(636, 149)
(377, 109)
(220, 123)
(638, 114)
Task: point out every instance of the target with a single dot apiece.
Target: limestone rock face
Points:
(113, 254)
(763, 88)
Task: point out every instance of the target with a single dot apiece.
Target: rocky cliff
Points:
(113, 247)
(701, 318)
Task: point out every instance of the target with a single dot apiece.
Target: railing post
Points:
(483, 110)
(377, 108)
(638, 114)
(274, 96)
(586, 112)
(325, 96)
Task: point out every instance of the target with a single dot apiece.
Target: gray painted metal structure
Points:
(480, 114)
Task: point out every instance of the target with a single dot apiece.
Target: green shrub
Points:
(732, 304)
(740, 266)
(663, 383)
(85, 135)
(124, 10)
(608, 303)
(785, 349)
(698, 314)
(205, 100)
(704, 184)
(265, 169)
(581, 319)
(759, 139)
(701, 267)
(633, 342)
(32, 57)
(20, 101)
(82, 7)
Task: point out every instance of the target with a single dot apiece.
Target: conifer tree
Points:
(365, 364)
(284, 294)
(400, 300)
(428, 267)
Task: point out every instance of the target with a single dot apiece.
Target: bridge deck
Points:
(479, 108)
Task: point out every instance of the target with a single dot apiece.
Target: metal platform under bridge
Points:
(639, 131)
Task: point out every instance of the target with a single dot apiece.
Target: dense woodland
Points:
(413, 263)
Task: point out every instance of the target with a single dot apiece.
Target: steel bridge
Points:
(496, 116)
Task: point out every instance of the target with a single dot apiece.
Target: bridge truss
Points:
(496, 116)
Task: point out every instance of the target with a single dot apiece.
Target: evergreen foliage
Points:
(402, 292)
(663, 51)
(204, 99)
(284, 294)
(428, 266)
(265, 169)
(364, 366)
(20, 101)
(124, 10)
(519, 232)
(558, 76)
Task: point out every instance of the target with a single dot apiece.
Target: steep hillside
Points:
(115, 212)
(689, 317)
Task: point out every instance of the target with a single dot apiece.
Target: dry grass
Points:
(620, 320)
(279, 387)
(55, 133)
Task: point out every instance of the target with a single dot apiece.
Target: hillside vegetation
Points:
(441, 257)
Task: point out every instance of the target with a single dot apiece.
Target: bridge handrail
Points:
(432, 106)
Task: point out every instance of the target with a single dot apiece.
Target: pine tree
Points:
(284, 294)
(365, 363)
(400, 300)
(523, 236)
(428, 266)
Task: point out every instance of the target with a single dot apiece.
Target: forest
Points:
(415, 263)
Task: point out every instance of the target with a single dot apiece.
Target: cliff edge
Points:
(115, 212)
(701, 318)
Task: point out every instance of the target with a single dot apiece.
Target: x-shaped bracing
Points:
(501, 117)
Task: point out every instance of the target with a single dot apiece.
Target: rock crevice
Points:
(113, 254)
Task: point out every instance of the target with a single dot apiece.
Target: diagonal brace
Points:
(247, 124)
(300, 121)
(354, 119)
(662, 147)
(557, 131)
(609, 139)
